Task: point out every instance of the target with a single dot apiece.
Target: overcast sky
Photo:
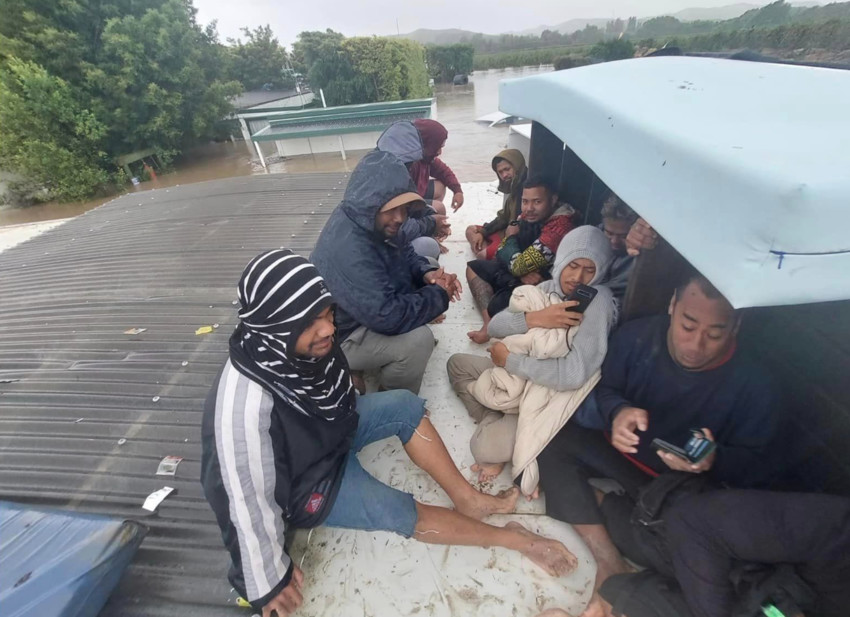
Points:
(366, 17)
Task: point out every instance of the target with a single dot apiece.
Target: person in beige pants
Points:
(583, 257)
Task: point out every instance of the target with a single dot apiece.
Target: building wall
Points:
(321, 145)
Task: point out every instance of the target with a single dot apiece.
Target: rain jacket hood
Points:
(586, 242)
(378, 178)
(517, 160)
(433, 135)
(403, 140)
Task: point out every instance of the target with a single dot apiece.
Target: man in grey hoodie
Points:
(583, 257)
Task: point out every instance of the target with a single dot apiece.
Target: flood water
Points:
(468, 151)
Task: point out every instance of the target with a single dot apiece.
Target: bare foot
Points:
(439, 318)
(358, 381)
(554, 612)
(481, 505)
(597, 607)
(487, 471)
(443, 248)
(478, 336)
(534, 494)
(549, 554)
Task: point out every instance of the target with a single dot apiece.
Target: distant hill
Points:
(730, 11)
(569, 26)
(720, 13)
(441, 37)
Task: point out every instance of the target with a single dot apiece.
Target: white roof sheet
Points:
(744, 167)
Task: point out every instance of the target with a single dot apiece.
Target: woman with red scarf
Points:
(431, 175)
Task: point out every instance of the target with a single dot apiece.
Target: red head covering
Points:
(433, 136)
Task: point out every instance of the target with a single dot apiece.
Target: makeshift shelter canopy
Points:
(741, 166)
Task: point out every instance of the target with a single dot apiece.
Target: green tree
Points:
(395, 67)
(617, 49)
(142, 73)
(46, 134)
(312, 45)
(362, 69)
(446, 61)
(258, 61)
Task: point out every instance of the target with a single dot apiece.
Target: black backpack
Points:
(644, 594)
(655, 593)
(650, 594)
(650, 529)
(757, 585)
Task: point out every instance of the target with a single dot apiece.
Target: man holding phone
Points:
(581, 260)
(663, 377)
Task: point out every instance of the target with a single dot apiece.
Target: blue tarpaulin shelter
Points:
(61, 564)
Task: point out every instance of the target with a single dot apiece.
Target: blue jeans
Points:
(362, 501)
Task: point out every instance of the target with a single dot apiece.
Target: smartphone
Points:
(695, 450)
(584, 294)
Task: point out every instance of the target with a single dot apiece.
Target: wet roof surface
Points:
(73, 384)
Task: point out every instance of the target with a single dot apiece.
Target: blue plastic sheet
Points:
(61, 564)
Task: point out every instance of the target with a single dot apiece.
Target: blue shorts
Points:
(362, 501)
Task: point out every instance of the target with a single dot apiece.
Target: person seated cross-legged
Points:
(526, 254)
(547, 376)
(281, 430)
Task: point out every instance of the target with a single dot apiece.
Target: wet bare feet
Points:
(550, 555)
(478, 336)
(487, 471)
(358, 381)
(597, 607)
(481, 505)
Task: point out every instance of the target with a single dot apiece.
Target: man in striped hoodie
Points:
(281, 431)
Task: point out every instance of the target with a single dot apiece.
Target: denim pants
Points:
(363, 502)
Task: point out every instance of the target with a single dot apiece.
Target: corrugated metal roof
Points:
(72, 384)
(252, 98)
(362, 118)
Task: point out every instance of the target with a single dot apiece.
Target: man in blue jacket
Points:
(387, 294)
(662, 377)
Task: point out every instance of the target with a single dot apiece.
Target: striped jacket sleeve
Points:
(252, 480)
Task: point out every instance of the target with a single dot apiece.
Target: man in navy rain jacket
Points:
(386, 292)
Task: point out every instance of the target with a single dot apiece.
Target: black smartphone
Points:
(695, 450)
(584, 294)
